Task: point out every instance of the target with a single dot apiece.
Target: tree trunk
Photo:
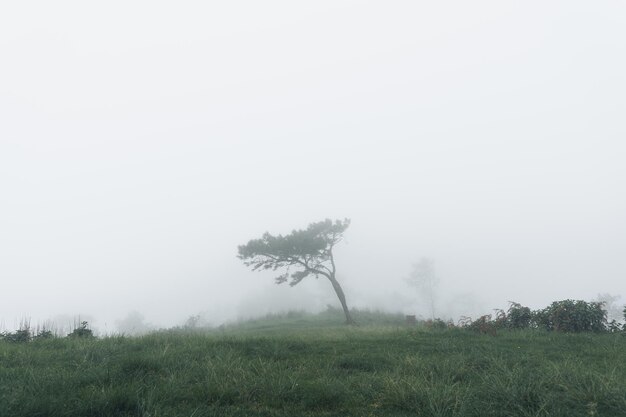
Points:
(342, 299)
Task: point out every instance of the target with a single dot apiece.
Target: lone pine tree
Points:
(300, 254)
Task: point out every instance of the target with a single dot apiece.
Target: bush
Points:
(572, 316)
(560, 316)
(518, 316)
(438, 324)
(81, 331)
(44, 334)
(614, 326)
(20, 336)
(483, 325)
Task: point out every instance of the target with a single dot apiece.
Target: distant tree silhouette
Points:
(423, 278)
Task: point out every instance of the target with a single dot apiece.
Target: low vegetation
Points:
(298, 364)
(567, 316)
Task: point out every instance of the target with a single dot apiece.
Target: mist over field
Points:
(141, 143)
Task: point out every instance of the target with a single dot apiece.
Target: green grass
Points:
(300, 365)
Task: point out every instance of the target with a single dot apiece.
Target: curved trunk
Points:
(342, 299)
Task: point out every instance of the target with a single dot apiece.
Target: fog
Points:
(141, 142)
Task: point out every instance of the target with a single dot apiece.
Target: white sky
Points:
(141, 142)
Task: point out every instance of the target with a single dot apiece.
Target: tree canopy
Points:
(299, 254)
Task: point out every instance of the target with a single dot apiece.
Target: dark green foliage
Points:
(518, 316)
(19, 336)
(44, 334)
(572, 316)
(300, 254)
(309, 251)
(24, 334)
(437, 324)
(614, 326)
(304, 365)
(484, 325)
(82, 331)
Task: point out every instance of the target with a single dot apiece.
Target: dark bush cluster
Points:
(26, 334)
(438, 324)
(19, 336)
(571, 316)
(82, 331)
(518, 316)
(484, 324)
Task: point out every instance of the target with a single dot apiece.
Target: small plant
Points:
(192, 322)
(464, 321)
(44, 334)
(501, 320)
(516, 317)
(614, 326)
(44, 331)
(437, 324)
(82, 331)
(483, 325)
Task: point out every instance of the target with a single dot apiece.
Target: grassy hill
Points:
(304, 365)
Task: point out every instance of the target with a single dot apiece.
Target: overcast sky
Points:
(142, 141)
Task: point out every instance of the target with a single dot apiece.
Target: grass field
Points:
(297, 365)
